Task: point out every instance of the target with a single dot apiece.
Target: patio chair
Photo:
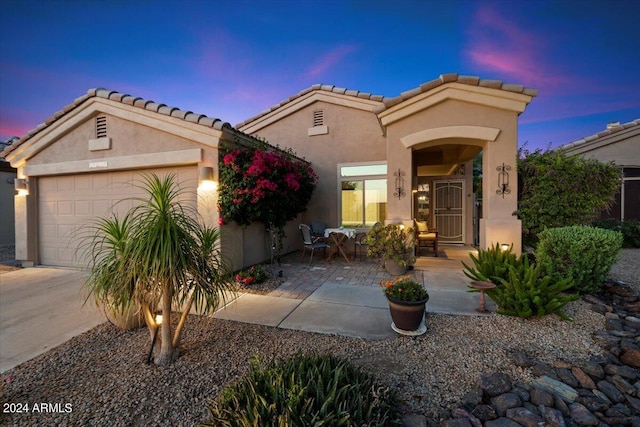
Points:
(425, 236)
(360, 244)
(310, 242)
(317, 230)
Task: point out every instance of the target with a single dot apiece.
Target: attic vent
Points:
(318, 118)
(101, 127)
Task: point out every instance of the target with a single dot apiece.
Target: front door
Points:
(449, 210)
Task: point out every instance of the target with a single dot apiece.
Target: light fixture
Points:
(503, 180)
(22, 186)
(158, 322)
(505, 247)
(399, 174)
(206, 174)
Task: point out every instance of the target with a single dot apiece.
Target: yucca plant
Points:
(159, 256)
(491, 264)
(305, 390)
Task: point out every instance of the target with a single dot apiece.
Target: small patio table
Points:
(339, 236)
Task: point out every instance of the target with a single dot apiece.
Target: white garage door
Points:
(68, 204)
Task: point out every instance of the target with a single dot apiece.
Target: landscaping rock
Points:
(584, 379)
(567, 393)
(567, 377)
(552, 417)
(495, 384)
(524, 417)
(611, 391)
(623, 371)
(521, 359)
(502, 422)
(593, 369)
(541, 397)
(485, 412)
(631, 357)
(504, 402)
(582, 415)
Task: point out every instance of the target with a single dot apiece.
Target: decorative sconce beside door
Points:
(399, 174)
(503, 180)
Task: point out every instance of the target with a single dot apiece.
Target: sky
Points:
(233, 59)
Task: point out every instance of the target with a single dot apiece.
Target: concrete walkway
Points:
(41, 308)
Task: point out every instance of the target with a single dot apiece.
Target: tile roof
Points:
(455, 78)
(316, 87)
(387, 102)
(125, 99)
(611, 129)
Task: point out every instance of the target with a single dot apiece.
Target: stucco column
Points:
(26, 225)
(399, 157)
(499, 224)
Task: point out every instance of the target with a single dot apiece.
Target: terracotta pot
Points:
(407, 315)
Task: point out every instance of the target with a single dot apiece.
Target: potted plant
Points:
(393, 243)
(407, 299)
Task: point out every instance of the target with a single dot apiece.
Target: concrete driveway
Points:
(41, 308)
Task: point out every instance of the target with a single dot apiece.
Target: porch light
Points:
(503, 180)
(158, 319)
(399, 188)
(505, 247)
(22, 186)
(205, 177)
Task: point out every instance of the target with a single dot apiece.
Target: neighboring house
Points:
(7, 191)
(378, 159)
(618, 143)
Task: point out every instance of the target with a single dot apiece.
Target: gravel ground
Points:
(100, 377)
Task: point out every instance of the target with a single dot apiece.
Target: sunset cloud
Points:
(329, 60)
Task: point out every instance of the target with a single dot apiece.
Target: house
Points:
(395, 159)
(618, 143)
(377, 158)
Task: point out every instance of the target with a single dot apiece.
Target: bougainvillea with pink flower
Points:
(271, 187)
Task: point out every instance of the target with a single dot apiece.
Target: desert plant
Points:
(392, 241)
(305, 390)
(630, 230)
(583, 254)
(158, 256)
(527, 292)
(491, 264)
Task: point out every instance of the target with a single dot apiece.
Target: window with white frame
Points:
(363, 194)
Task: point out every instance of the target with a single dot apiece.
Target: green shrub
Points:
(527, 292)
(580, 253)
(630, 230)
(491, 264)
(306, 390)
(252, 276)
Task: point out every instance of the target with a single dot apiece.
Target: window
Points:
(363, 194)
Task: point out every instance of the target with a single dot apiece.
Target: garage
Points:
(68, 204)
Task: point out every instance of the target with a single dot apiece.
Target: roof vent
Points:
(612, 125)
(318, 118)
(101, 127)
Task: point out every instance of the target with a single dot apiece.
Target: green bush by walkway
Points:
(583, 254)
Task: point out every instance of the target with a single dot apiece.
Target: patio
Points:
(344, 298)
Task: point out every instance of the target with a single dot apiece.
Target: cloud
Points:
(329, 60)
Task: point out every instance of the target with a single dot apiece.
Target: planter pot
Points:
(407, 316)
(393, 267)
(131, 319)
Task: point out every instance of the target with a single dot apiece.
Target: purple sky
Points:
(233, 59)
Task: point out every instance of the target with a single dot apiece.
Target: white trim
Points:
(497, 98)
(341, 179)
(481, 133)
(167, 158)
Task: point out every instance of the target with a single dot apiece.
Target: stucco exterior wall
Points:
(354, 136)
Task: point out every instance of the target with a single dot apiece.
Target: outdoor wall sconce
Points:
(22, 186)
(205, 178)
(505, 247)
(399, 174)
(158, 323)
(503, 180)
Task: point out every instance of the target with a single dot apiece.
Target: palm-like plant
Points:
(158, 255)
